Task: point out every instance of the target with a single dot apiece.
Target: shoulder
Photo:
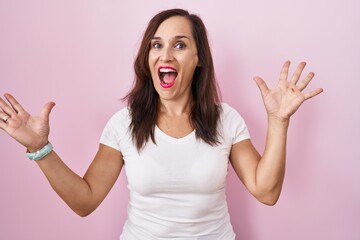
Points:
(119, 121)
(233, 126)
(116, 128)
(226, 107)
(228, 112)
(123, 115)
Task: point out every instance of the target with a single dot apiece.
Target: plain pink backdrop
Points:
(80, 55)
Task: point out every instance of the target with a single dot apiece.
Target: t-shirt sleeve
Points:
(234, 125)
(114, 130)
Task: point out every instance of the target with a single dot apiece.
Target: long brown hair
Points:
(143, 100)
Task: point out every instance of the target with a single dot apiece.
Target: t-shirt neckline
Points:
(169, 138)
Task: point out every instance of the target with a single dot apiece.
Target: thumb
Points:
(261, 85)
(45, 112)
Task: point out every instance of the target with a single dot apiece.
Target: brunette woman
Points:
(175, 139)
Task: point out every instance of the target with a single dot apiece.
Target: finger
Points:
(306, 81)
(3, 119)
(6, 108)
(2, 124)
(45, 112)
(13, 102)
(284, 71)
(261, 85)
(296, 76)
(313, 93)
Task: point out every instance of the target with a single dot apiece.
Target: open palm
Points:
(30, 131)
(283, 101)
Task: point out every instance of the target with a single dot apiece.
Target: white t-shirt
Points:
(176, 186)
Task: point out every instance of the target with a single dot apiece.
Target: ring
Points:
(5, 118)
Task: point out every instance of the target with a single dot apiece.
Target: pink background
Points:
(80, 55)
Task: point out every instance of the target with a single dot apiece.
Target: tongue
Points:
(169, 77)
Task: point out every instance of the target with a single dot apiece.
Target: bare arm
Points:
(82, 194)
(264, 175)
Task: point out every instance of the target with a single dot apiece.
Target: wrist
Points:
(278, 121)
(37, 145)
(40, 153)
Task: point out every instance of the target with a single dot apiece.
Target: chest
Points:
(176, 126)
(180, 165)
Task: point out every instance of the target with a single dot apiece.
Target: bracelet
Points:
(39, 154)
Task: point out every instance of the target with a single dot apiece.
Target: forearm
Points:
(82, 195)
(271, 168)
(72, 188)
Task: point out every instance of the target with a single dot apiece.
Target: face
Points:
(173, 58)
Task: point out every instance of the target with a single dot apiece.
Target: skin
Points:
(174, 46)
(262, 175)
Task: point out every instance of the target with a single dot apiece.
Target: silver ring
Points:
(5, 118)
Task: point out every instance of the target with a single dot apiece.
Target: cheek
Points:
(154, 76)
(197, 61)
(192, 63)
(151, 63)
(193, 60)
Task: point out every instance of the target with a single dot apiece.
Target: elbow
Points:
(83, 213)
(83, 208)
(269, 198)
(267, 194)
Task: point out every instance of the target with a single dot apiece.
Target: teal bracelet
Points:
(40, 153)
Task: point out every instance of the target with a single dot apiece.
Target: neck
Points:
(176, 108)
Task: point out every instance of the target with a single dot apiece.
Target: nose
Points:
(166, 54)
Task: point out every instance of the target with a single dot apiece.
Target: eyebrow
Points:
(176, 37)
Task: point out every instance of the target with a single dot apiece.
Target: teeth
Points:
(165, 70)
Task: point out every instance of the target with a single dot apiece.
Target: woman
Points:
(175, 139)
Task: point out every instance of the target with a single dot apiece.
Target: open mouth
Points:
(167, 76)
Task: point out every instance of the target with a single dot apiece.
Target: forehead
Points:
(174, 26)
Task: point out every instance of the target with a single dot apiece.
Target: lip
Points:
(161, 83)
(167, 67)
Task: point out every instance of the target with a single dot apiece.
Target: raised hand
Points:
(283, 101)
(30, 131)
